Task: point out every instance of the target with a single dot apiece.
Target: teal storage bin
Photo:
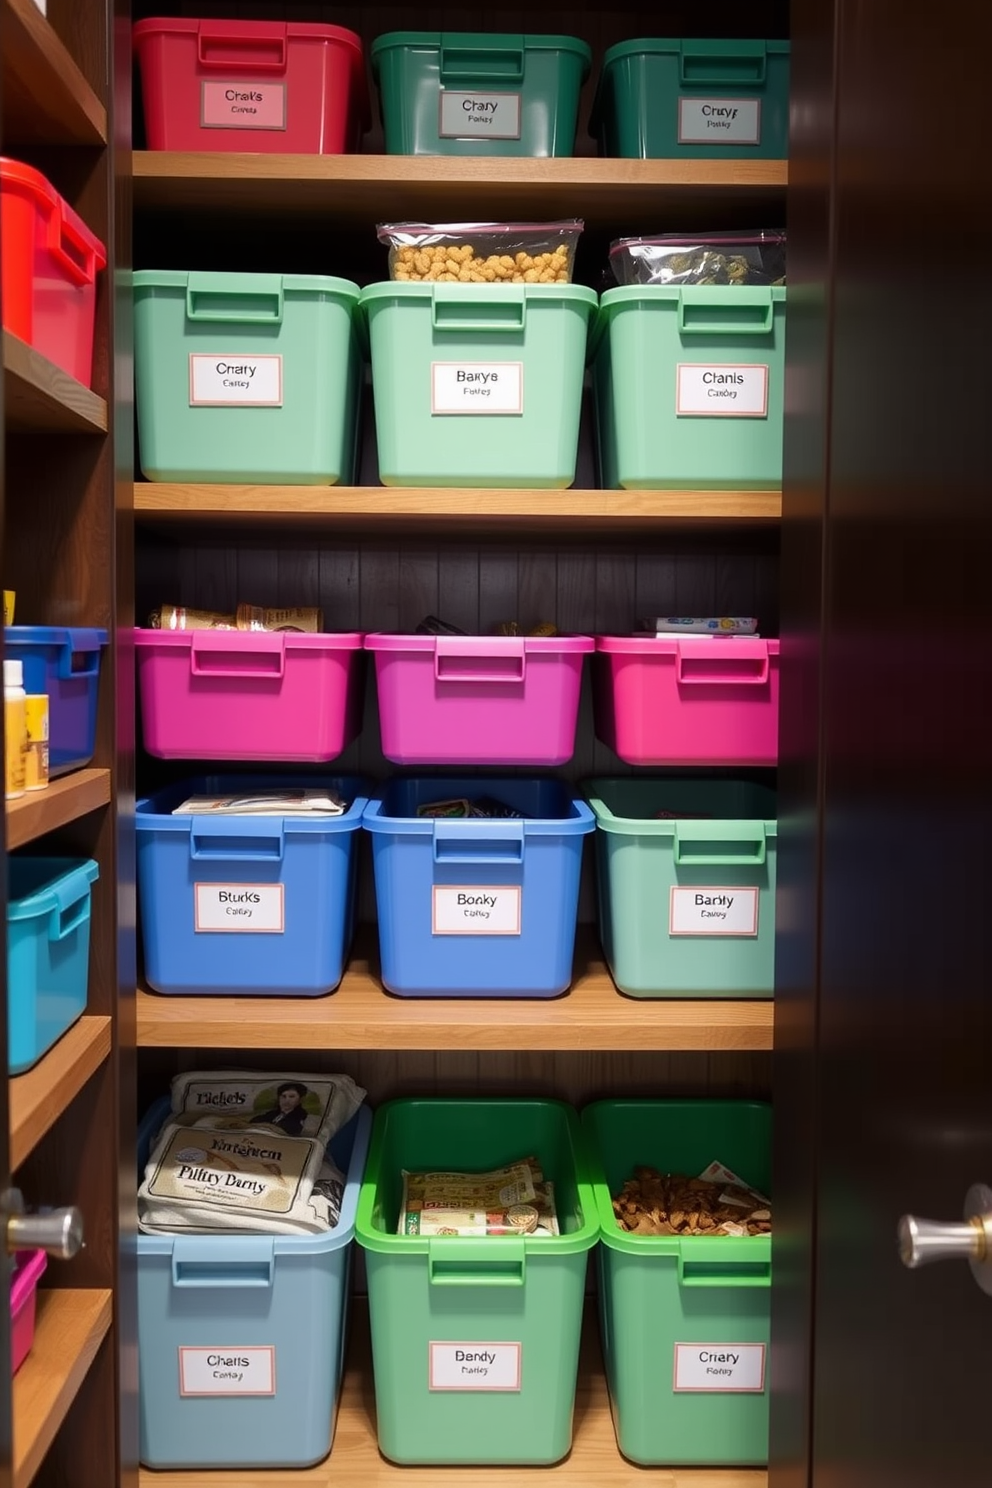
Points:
(246, 377)
(689, 387)
(518, 1297)
(660, 935)
(667, 1303)
(445, 354)
(473, 93)
(667, 98)
(48, 952)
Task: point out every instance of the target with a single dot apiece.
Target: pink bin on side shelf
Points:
(25, 1274)
(478, 700)
(238, 695)
(687, 700)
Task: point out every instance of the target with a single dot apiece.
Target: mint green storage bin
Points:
(436, 86)
(658, 941)
(689, 387)
(521, 349)
(666, 1302)
(665, 98)
(523, 1294)
(292, 420)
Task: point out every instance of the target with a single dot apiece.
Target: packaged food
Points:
(178, 617)
(718, 1202)
(515, 1200)
(720, 625)
(482, 252)
(729, 258)
(265, 803)
(306, 620)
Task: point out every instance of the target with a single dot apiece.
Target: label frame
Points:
(693, 139)
(681, 412)
(476, 411)
(264, 356)
(712, 889)
(242, 929)
(478, 93)
(759, 1389)
(261, 1348)
(439, 1343)
(206, 83)
(516, 889)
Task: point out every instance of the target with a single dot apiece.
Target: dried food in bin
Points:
(718, 1202)
(514, 1200)
(306, 620)
(481, 252)
(724, 258)
(484, 806)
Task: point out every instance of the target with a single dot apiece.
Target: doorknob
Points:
(922, 1241)
(57, 1231)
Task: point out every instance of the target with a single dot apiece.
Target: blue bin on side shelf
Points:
(64, 663)
(48, 952)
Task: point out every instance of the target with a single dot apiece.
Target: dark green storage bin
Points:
(670, 98)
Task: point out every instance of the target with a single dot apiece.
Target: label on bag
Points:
(227, 1371)
(713, 910)
(737, 1368)
(722, 389)
(237, 377)
(476, 909)
(239, 907)
(478, 115)
(477, 387)
(719, 121)
(243, 105)
(474, 1366)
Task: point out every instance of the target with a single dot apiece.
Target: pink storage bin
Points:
(478, 700)
(27, 1269)
(687, 700)
(239, 695)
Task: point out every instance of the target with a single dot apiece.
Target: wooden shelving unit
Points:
(64, 800)
(38, 1097)
(44, 97)
(70, 1326)
(40, 397)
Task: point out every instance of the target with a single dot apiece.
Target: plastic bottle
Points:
(36, 760)
(15, 731)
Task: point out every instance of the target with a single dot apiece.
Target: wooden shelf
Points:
(37, 1098)
(64, 800)
(39, 396)
(45, 98)
(594, 1461)
(69, 1329)
(359, 189)
(360, 1015)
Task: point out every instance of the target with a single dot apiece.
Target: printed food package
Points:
(718, 1202)
(481, 252)
(515, 1200)
(729, 258)
(306, 620)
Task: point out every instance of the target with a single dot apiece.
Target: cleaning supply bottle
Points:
(15, 731)
(36, 760)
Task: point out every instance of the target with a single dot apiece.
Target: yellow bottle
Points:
(15, 730)
(36, 760)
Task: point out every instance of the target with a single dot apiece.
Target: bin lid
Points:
(220, 281)
(77, 638)
(479, 41)
(671, 645)
(725, 297)
(392, 289)
(480, 645)
(243, 640)
(153, 814)
(653, 45)
(14, 175)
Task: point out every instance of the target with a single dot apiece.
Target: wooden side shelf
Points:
(70, 1327)
(45, 98)
(39, 396)
(38, 1097)
(64, 800)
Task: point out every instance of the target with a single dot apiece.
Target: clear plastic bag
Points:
(482, 252)
(727, 258)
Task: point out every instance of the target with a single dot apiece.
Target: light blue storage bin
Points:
(48, 952)
(63, 662)
(303, 870)
(530, 867)
(235, 1292)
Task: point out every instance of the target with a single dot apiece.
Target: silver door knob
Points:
(924, 1240)
(58, 1231)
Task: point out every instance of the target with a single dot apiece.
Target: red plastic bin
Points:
(49, 266)
(260, 86)
(687, 700)
(26, 1271)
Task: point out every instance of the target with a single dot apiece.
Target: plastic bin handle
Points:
(74, 664)
(722, 63)
(75, 256)
(707, 1270)
(256, 53)
(753, 312)
(736, 663)
(262, 839)
(70, 912)
(212, 654)
(503, 310)
(200, 1261)
(499, 61)
(500, 1261)
(261, 304)
(688, 834)
(497, 664)
(492, 842)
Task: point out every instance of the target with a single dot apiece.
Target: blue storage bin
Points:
(299, 873)
(434, 943)
(228, 1293)
(64, 663)
(48, 952)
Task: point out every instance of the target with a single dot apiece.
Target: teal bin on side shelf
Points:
(663, 885)
(48, 952)
(684, 1320)
(246, 377)
(666, 98)
(475, 93)
(517, 1299)
(689, 387)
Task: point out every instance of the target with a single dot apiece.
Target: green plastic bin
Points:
(518, 1298)
(472, 93)
(246, 377)
(667, 1304)
(660, 936)
(477, 384)
(689, 387)
(668, 98)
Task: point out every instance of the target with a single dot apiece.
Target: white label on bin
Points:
(713, 910)
(719, 121)
(738, 1368)
(474, 1366)
(722, 389)
(476, 909)
(240, 907)
(478, 115)
(237, 377)
(243, 105)
(227, 1371)
(477, 387)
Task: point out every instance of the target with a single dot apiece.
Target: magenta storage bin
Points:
(687, 700)
(244, 695)
(478, 700)
(25, 1273)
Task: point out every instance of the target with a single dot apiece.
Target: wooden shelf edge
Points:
(64, 800)
(65, 108)
(38, 396)
(37, 1098)
(70, 1326)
